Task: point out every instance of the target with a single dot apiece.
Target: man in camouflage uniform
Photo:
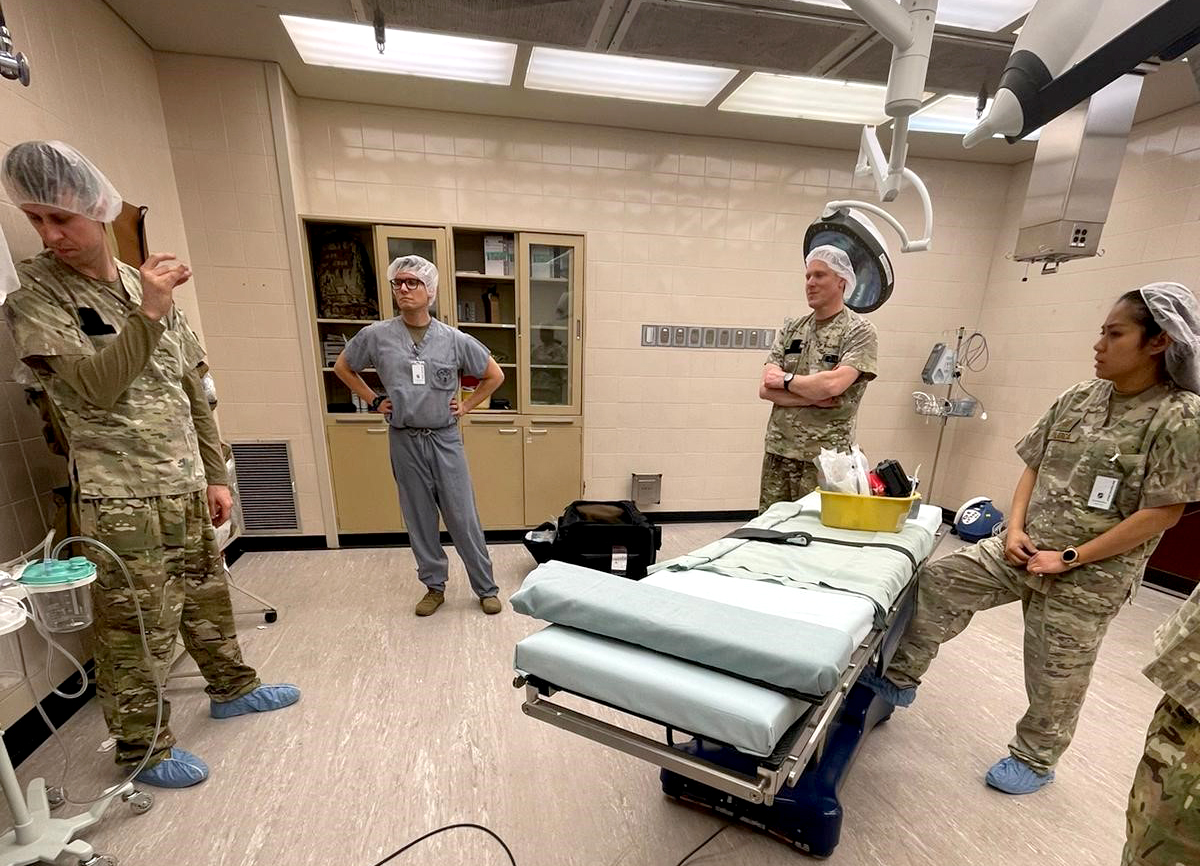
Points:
(1109, 467)
(118, 363)
(814, 378)
(1163, 819)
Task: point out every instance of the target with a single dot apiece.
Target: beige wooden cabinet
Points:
(526, 469)
(363, 488)
(553, 467)
(525, 451)
(496, 457)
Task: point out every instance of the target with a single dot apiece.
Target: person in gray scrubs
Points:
(419, 360)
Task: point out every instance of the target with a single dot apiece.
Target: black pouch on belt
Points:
(894, 478)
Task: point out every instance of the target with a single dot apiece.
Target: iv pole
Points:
(35, 836)
(937, 453)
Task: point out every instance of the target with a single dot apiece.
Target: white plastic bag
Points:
(861, 470)
(836, 471)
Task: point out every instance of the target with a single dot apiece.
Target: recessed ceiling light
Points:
(613, 75)
(986, 15)
(344, 45)
(813, 98)
(954, 115)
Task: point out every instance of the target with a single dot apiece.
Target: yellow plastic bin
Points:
(868, 513)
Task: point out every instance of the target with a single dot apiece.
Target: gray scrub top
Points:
(445, 352)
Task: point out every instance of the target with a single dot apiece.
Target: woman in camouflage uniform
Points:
(1109, 468)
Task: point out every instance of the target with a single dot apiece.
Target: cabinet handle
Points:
(578, 329)
(508, 431)
(377, 429)
(553, 420)
(533, 431)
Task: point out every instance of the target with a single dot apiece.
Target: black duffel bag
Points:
(607, 536)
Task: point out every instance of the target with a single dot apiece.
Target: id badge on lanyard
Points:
(418, 372)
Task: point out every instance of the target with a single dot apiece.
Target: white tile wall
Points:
(679, 229)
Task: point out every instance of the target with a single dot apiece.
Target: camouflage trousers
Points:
(1066, 617)
(1163, 820)
(170, 549)
(785, 479)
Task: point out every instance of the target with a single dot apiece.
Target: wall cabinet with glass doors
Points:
(518, 293)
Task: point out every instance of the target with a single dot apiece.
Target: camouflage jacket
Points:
(146, 444)
(1177, 669)
(804, 347)
(1140, 451)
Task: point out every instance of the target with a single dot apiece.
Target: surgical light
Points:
(813, 98)
(852, 231)
(345, 45)
(846, 224)
(636, 78)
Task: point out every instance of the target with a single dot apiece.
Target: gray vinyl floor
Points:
(407, 724)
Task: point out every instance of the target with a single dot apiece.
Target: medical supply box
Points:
(867, 513)
(608, 536)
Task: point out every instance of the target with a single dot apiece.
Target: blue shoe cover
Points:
(179, 769)
(1016, 777)
(263, 699)
(888, 690)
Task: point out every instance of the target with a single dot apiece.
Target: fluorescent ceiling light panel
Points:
(620, 77)
(986, 15)
(344, 45)
(954, 115)
(950, 114)
(813, 98)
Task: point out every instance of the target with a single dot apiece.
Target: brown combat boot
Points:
(431, 602)
(491, 604)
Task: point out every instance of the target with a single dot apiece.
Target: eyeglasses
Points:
(409, 285)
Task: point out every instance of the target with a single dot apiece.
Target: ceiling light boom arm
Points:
(906, 245)
(887, 18)
(908, 25)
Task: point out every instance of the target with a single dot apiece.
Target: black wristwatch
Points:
(1070, 556)
(377, 401)
(787, 380)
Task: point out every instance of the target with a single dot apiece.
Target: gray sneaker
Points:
(431, 602)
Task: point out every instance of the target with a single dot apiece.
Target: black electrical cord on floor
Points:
(693, 852)
(419, 839)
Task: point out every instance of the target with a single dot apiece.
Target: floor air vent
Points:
(266, 487)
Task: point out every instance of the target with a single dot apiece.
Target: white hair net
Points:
(423, 269)
(8, 272)
(57, 175)
(838, 262)
(1175, 310)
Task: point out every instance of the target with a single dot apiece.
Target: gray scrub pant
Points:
(430, 468)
